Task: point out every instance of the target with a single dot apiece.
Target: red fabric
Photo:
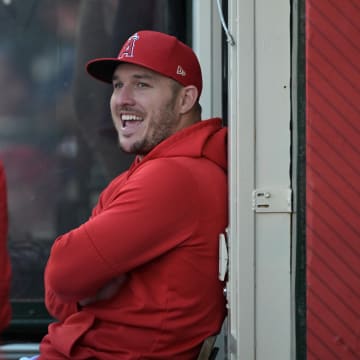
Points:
(5, 271)
(158, 223)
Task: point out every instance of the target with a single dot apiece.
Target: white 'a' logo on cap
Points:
(180, 71)
(129, 48)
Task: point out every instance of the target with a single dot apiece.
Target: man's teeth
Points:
(130, 118)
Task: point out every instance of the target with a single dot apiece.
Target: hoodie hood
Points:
(207, 138)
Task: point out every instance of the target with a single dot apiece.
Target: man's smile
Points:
(126, 119)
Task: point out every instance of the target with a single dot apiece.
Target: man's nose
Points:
(125, 96)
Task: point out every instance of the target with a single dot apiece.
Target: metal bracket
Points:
(270, 200)
(223, 255)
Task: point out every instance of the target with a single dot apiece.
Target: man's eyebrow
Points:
(143, 76)
(139, 76)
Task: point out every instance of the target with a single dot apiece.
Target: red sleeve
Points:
(57, 308)
(5, 270)
(148, 217)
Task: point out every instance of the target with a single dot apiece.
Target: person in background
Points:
(139, 279)
(5, 269)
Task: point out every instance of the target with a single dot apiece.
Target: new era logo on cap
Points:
(180, 71)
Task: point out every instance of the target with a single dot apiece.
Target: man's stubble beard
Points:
(160, 131)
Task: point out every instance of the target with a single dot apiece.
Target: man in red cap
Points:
(5, 270)
(139, 279)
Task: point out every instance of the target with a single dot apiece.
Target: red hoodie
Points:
(159, 223)
(5, 272)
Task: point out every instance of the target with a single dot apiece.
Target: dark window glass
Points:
(56, 136)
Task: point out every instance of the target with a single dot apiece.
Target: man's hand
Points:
(105, 293)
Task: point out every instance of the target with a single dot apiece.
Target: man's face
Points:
(143, 107)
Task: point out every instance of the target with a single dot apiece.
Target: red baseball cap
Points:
(156, 51)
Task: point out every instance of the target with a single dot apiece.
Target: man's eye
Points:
(142, 85)
(117, 85)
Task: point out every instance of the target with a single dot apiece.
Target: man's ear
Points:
(189, 95)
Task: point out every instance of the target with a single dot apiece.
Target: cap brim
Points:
(103, 69)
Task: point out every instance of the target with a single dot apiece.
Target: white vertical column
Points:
(241, 285)
(260, 153)
(272, 169)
